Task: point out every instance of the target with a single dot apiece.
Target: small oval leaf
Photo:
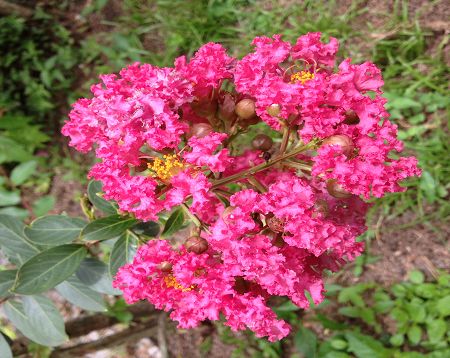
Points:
(23, 171)
(54, 230)
(7, 278)
(5, 349)
(95, 274)
(94, 190)
(107, 228)
(39, 320)
(174, 222)
(12, 241)
(123, 252)
(47, 269)
(77, 293)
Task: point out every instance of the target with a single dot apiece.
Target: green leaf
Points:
(77, 293)
(11, 151)
(436, 330)
(306, 342)
(414, 334)
(43, 205)
(19, 213)
(174, 222)
(107, 228)
(338, 344)
(7, 278)
(150, 229)
(397, 340)
(123, 252)
(47, 269)
(23, 171)
(93, 191)
(8, 198)
(95, 274)
(12, 241)
(416, 277)
(54, 230)
(428, 186)
(443, 306)
(37, 319)
(365, 346)
(5, 349)
(43, 314)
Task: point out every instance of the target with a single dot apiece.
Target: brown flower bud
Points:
(336, 190)
(274, 110)
(262, 142)
(196, 244)
(204, 108)
(320, 207)
(227, 215)
(351, 117)
(143, 166)
(241, 285)
(275, 224)
(200, 130)
(245, 109)
(227, 107)
(343, 141)
(278, 241)
(165, 266)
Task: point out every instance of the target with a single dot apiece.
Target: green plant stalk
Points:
(264, 166)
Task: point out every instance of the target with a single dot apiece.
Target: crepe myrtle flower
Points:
(272, 212)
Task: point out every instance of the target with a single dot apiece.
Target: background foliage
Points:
(50, 59)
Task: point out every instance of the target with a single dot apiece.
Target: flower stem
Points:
(263, 166)
(194, 218)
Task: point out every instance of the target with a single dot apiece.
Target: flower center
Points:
(166, 167)
(171, 281)
(301, 76)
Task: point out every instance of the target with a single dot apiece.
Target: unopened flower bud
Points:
(351, 117)
(227, 108)
(227, 215)
(274, 110)
(200, 130)
(196, 244)
(205, 108)
(143, 166)
(241, 285)
(165, 266)
(275, 224)
(320, 207)
(343, 141)
(262, 142)
(245, 109)
(336, 190)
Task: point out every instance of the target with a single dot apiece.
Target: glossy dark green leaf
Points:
(94, 192)
(37, 319)
(5, 349)
(49, 268)
(123, 252)
(150, 229)
(54, 230)
(95, 274)
(13, 242)
(107, 228)
(77, 293)
(7, 278)
(174, 222)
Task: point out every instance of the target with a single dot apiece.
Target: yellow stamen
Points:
(302, 76)
(167, 167)
(171, 281)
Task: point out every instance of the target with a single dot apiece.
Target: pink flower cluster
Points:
(271, 217)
